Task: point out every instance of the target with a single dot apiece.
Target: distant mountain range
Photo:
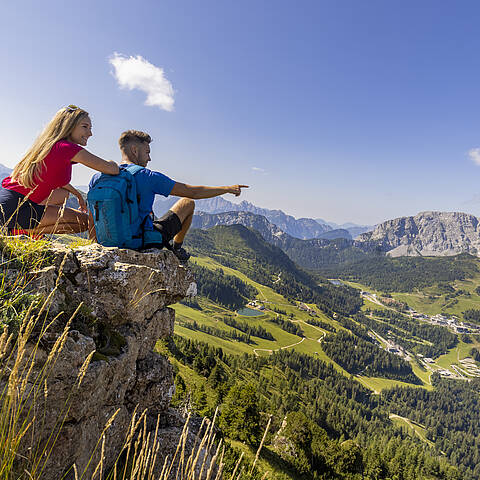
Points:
(269, 230)
(303, 228)
(426, 234)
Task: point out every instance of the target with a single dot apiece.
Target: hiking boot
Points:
(181, 254)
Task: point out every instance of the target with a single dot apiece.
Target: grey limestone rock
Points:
(125, 295)
(426, 234)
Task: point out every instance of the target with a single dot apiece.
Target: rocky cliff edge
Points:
(123, 297)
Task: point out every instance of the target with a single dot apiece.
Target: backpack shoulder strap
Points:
(133, 169)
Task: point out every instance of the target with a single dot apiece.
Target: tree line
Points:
(440, 338)
(216, 332)
(406, 274)
(319, 323)
(287, 326)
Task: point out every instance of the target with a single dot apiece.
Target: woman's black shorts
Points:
(18, 212)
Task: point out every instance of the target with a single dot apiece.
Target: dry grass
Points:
(23, 382)
(139, 458)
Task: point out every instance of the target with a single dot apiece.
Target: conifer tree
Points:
(240, 414)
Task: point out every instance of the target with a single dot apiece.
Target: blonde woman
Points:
(33, 197)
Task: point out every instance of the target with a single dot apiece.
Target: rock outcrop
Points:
(124, 296)
(270, 232)
(425, 234)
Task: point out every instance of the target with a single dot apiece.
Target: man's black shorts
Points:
(168, 225)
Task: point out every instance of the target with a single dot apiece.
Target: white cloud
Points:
(136, 72)
(474, 154)
(258, 169)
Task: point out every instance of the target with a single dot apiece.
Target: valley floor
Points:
(211, 315)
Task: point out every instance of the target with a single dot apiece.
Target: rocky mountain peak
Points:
(428, 233)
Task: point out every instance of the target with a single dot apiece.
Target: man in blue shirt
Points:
(135, 148)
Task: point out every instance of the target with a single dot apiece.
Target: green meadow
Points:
(211, 315)
(433, 301)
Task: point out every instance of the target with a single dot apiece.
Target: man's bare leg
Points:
(180, 236)
(184, 209)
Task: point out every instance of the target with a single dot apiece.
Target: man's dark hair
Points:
(133, 136)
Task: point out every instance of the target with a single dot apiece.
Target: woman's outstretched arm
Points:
(97, 163)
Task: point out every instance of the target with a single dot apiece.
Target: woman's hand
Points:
(82, 205)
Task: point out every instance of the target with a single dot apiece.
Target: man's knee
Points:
(184, 207)
(189, 204)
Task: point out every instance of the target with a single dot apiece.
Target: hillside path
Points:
(319, 340)
(323, 332)
(255, 350)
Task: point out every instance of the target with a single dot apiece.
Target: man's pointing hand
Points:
(236, 189)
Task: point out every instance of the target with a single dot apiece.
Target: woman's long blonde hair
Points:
(60, 127)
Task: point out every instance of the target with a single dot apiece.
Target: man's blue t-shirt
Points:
(149, 184)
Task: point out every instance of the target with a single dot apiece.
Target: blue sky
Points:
(345, 110)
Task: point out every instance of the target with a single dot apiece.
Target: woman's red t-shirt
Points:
(56, 172)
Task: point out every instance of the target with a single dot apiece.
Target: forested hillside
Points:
(222, 288)
(451, 416)
(244, 249)
(405, 274)
(324, 425)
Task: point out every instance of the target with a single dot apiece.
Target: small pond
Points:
(336, 282)
(249, 312)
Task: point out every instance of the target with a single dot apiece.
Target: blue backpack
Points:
(113, 201)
